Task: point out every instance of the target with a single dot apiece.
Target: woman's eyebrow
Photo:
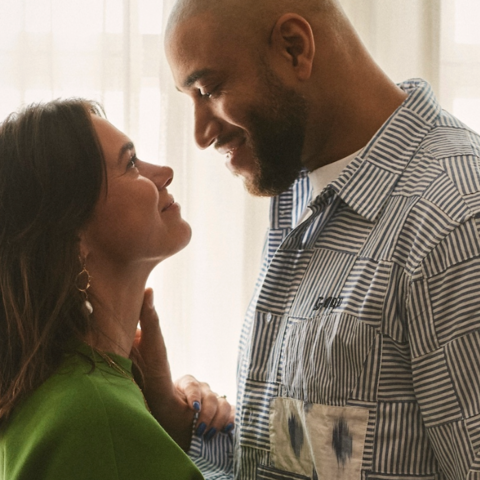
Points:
(125, 148)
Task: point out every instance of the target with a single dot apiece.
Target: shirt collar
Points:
(322, 176)
(367, 182)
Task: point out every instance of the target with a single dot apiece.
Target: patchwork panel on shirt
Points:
(365, 291)
(463, 359)
(473, 202)
(454, 294)
(453, 451)
(382, 242)
(372, 178)
(422, 337)
(254, 423)
(448, 143)
(460, 245)
(464, 170)
(336, 345)
(269, 473)
(398, 140)
(473, 428)
(366, 388)
(425, 226)
(309, 437)
(265, 346)
(319, 292)
(394, 323)
(346, 232)
(444, 195)
(421, 172)
(396, 382)
(286, 272)
(303, 237)
(400, 446)
(382, 476)
(435, 394)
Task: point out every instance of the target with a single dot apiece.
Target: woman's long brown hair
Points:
(51, 174)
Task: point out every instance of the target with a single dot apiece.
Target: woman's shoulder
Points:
(73, 391)
(91, 419)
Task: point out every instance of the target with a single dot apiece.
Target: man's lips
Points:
(230, 147)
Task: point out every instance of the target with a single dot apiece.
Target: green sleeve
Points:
(82, 427)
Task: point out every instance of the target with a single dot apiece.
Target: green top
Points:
(83, 424)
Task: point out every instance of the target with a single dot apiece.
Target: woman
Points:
(83, 222)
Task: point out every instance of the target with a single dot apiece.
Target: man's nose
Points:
(207, 127)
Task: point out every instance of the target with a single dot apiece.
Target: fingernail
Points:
(209, 435)
(196, 406)
(201, 428)
(228, 428)
(151, 299)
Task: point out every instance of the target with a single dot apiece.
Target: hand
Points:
(215, 412)
(175, 404)
(166, 403)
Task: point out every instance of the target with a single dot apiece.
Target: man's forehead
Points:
(197, 49)
(204, 25)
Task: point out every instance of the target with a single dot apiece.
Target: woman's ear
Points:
(292, 38)
(83, 246)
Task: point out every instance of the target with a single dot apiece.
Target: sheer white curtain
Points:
(112, 51)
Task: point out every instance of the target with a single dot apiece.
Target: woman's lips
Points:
(169, 204)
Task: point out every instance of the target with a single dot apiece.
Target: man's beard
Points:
(277, 134)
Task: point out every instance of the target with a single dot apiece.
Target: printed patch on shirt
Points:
(326, 440)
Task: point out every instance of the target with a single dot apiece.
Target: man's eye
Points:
(204, 94)
(132, 162)
(207, 91)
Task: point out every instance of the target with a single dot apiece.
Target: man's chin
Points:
(261, 182)
(258, 188)
(250, 181)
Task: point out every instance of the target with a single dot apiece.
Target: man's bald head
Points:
(275, 80)
(253, 17)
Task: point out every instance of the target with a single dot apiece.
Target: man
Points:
(359, 356)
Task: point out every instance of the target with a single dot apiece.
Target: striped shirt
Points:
(360, 352)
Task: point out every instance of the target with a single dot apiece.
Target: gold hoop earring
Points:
(82, 283)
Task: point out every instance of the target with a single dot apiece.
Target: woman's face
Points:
(137, 220)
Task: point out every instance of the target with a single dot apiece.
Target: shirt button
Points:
(269, 317)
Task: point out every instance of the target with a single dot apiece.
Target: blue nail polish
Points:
(228, 428)
(209, 435)
(196, 406)
(201, 428)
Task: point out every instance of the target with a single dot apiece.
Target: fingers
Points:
(215, 414)
(191, 390)
(148, 315)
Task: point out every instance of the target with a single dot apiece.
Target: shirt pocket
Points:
(317, 441)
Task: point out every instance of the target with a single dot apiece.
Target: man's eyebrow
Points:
(125, 148)
(195, 76)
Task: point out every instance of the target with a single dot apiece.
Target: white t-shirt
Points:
(322, 176)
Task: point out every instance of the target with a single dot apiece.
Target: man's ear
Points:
(292, 38)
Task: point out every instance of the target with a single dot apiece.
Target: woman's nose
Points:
(161, 175)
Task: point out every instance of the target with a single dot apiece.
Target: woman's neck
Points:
(117, 301)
